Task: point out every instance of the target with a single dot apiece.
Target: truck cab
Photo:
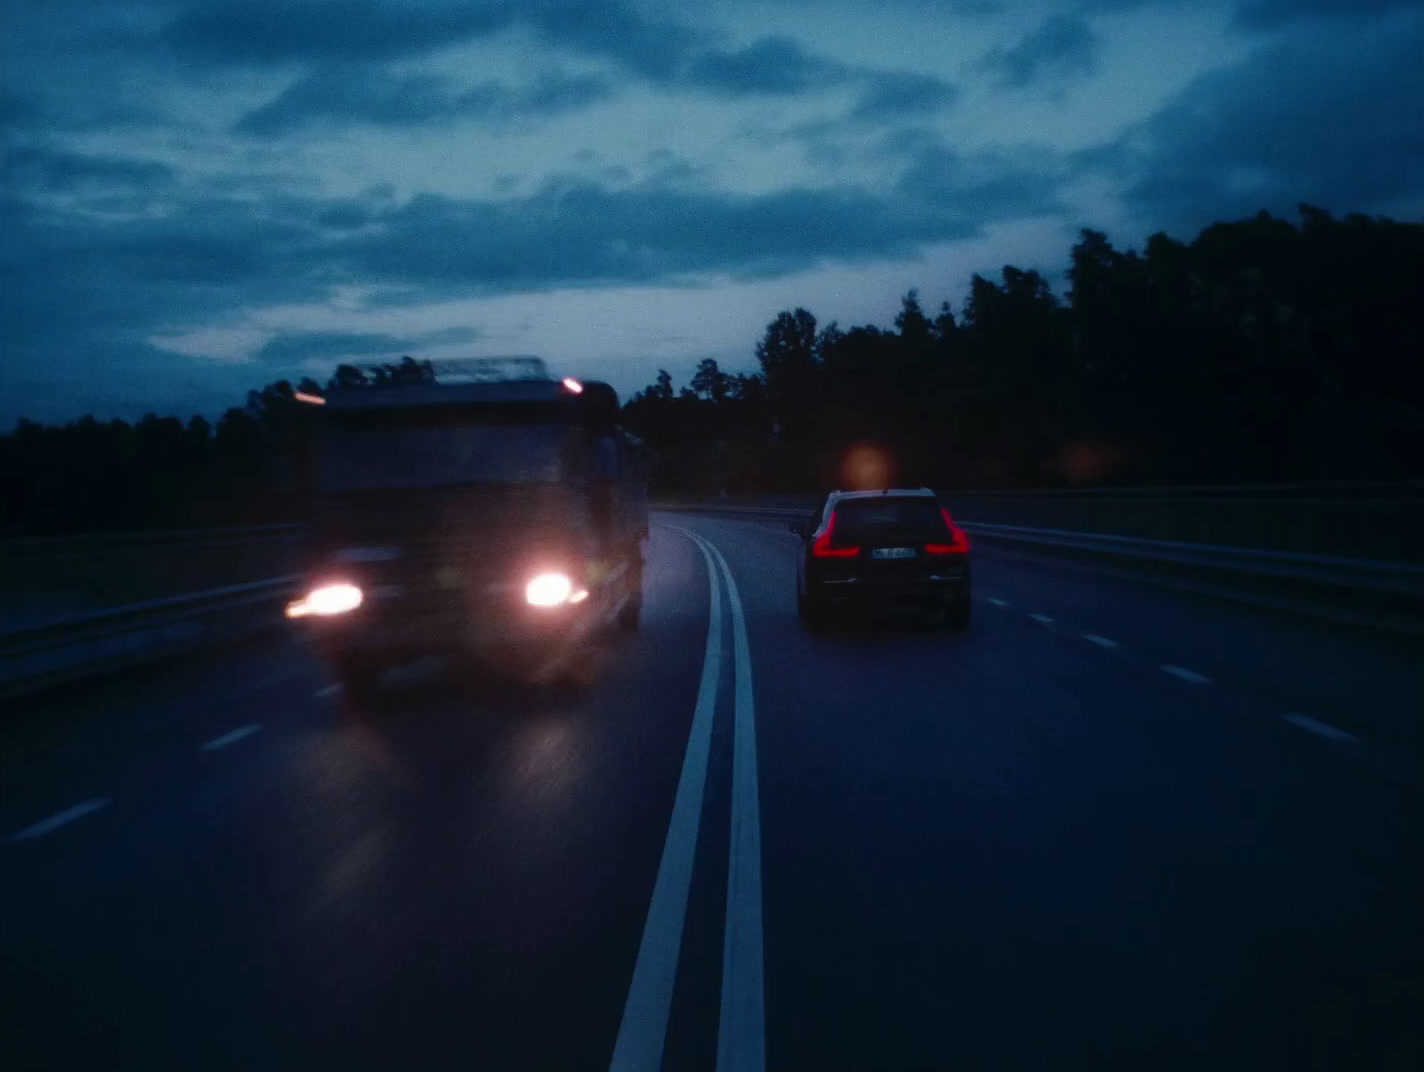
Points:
(500, 521)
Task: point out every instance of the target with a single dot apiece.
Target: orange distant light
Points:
(866, 468)
(572, 386)
(312, 400)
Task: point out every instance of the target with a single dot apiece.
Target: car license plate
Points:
(893, 552)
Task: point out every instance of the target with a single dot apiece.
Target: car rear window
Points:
(888, 517)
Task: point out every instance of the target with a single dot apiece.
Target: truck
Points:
(495, 520)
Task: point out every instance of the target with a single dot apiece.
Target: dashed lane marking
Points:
(229, 738)
(54, 822)
(328, 692)
(998, 602)
(1323, 729)
(1187, 675)
(1100, 641)
(1042, 619)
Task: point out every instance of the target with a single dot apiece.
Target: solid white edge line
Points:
(230, 738)
(1100, 641)
(741, 1031)
(643, 1029)
(1323, 729)
(54, 822)
(1187, 675)
(1042, 619)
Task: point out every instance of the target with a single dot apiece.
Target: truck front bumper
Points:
(400, 622)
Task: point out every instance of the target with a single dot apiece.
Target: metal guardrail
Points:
(48, 580)
(65, 648)
(1319, 569)
(83, 645)
(49, 546)
(1379, 521)
(1388, 595)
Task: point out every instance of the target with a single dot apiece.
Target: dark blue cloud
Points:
(1062, 45)
(139, 274)
(343, 94)
(1269, 14)
(40, 168)
(278, 31)
(772, 65)
(69, 66)
(141, 277)
(316, 31)
(85, 300)
(1313, 118)
(989, 188)
(581, 233)
(293, 348)
(122, 378)
(897, 95)
(346, 214)
(656, 49)
(331, 36)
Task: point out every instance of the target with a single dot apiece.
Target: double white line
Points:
(741, 1033)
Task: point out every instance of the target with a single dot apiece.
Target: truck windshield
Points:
(370, 455)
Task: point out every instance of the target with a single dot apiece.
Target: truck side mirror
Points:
(600, 406)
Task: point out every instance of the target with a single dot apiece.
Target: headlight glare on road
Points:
(549, 590)
(326, 600)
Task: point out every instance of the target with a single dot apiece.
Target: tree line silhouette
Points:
(162, 472)
(1262, 350)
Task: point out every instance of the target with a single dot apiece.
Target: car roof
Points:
(917, 493)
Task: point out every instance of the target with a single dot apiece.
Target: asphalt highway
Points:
(1108, 828)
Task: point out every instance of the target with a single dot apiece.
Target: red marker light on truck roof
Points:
(572, 386)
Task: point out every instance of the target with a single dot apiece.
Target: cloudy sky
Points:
(200, 196)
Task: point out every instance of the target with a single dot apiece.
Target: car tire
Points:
(812, 611)
(957, 616)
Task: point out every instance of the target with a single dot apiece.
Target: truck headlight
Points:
(549, 590)
(326, 600)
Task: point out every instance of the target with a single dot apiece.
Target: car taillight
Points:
(959, 542)
(821, 546)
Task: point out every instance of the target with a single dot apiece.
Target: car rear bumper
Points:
(931, 589)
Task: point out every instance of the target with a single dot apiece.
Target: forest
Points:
(1263, 350)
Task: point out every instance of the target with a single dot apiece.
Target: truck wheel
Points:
(631, 613)
(360, 680)
(571, 681)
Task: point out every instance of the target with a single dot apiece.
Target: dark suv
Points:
(893, 548)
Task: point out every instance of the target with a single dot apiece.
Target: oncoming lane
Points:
(459, 879)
